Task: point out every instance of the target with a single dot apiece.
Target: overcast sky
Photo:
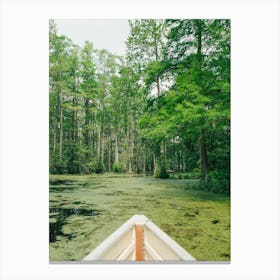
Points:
(109, 34)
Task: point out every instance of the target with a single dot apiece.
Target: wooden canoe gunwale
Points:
(172, 244)
(106, 245)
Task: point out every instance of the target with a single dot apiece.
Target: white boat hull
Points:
(139, 239)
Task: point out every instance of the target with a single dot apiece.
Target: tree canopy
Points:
(163, 108)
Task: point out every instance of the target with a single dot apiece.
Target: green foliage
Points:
(192, 175)
(219, 182)
(100, 167)
(145, 42)
(118, 167)
(162, 172)
(168, 98)
(187, 175)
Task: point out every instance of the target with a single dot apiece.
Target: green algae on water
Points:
(85, 209)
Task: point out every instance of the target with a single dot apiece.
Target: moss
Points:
(182, 212)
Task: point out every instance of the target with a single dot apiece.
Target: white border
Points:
(255, 140)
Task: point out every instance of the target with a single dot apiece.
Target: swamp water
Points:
(84, 210)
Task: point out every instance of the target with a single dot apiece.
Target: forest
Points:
(162, 110)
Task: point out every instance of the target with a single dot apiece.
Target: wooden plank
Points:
(139, 235)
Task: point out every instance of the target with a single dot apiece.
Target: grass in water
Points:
(85, 209)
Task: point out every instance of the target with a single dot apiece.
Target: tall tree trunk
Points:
(130, 136)
(178, 161)
(162, 152)
(155, 164)
(131, 148)
(102, 148)
(99, 143)
(158, 87)
(109, 153)
(117, 144)
(86, 130)
(203, 159)
(56, 127)
(60, 133)
(137, 158)
(72, 166)
(129, 167)
(199, 42)
(144, 162)
(54, 136)
(202, 142)
(94, 132)
(161, 157)
(157, 59)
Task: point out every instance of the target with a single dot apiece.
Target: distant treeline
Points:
(164, 107)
